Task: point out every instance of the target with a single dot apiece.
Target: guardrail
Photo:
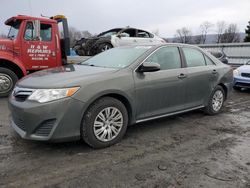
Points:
(237, 53)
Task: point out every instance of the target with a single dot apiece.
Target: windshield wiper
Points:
(92, 65)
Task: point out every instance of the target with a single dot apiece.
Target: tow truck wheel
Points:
(8, 80)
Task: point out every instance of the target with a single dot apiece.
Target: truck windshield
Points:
(14, 29)
(117, 57)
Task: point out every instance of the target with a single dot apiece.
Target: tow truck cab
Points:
(33, 44)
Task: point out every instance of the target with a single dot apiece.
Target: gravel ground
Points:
(188, 150)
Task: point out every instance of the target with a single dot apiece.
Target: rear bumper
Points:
(54, 121)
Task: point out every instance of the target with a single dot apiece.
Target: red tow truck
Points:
(33, 44)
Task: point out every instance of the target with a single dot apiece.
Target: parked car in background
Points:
(220, 55)
(242, 77)
(114, 38)
(97, 99)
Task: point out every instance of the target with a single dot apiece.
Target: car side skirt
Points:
(169, 114)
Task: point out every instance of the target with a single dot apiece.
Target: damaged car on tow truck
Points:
(115, 38)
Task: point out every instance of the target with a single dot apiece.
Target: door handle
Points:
(135, 40)
(214, 71)
(182, 76)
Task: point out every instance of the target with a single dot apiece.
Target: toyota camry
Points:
(96, 100)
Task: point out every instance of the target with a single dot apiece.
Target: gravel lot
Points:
(188, 150)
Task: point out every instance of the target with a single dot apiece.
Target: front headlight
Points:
(236, 72)
(47, 95)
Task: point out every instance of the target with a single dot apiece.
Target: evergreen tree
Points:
(247, 39)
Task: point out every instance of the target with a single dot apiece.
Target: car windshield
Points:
(117, 57)
(14, 29)
(109, 33)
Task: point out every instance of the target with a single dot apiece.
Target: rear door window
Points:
(194, 58)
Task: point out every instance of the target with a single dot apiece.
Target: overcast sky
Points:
(100, 15)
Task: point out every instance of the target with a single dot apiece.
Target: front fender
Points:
(111, 92)
(6, 57)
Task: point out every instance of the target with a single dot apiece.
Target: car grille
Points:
(21, 94)
(19, 122)
(245, 75)
(45, 127)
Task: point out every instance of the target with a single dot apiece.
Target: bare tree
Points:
(204, 27)
(221, 26)
(231, 34)
(75, 34)
(184, 35)
(86, 34)
(197, 39)
(247, 38)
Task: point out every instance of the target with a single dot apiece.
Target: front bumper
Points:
(240, 81)
(53, 121)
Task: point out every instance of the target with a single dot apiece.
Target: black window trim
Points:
(191, 47)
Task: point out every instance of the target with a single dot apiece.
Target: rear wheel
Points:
(8, 80)
(104, 123)
(216, 101)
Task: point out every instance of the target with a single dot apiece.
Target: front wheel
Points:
(79, 51)
(104, 47)
(104, 123)
(216, 101)
(8, 80)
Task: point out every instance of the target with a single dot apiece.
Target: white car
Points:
(114, 38)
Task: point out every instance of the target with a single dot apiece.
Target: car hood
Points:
(244, 68)
(65, 76)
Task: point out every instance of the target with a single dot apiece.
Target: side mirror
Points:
(149, 67)
(36, 25)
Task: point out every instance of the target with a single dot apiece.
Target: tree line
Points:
(225, 33)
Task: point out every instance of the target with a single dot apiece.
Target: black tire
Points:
(104, 47)
(10, 77)
(87, 127)
(209, 109)
(237, 88)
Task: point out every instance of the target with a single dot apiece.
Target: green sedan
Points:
(96, 100)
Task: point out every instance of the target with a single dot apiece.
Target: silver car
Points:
(97, 100)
